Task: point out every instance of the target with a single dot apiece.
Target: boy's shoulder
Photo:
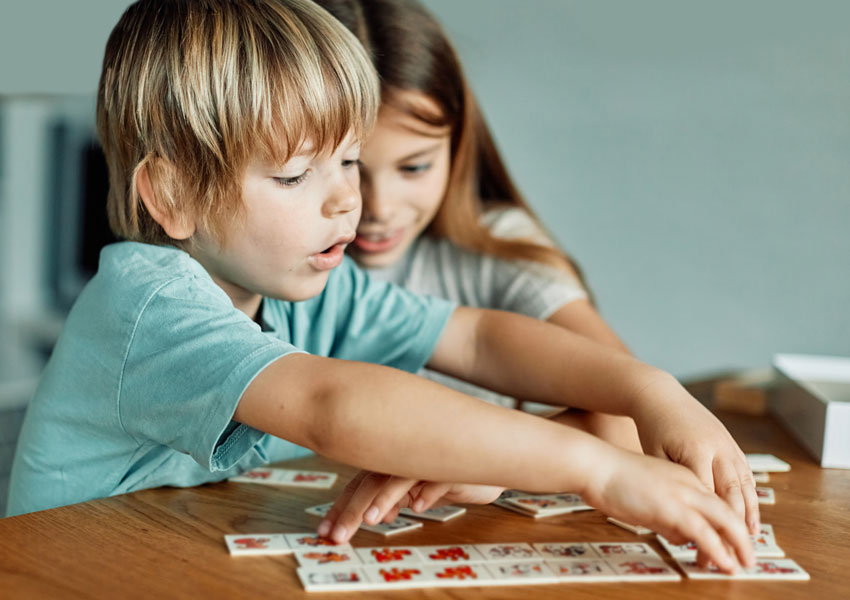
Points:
(130, 274)
(138, 266)
(146, 263)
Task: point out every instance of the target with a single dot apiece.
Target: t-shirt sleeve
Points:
(528, 288)
(522, 286)
(382, 323)
(190, 358)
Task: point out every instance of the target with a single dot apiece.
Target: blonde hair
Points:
(195, 89)
(412, 53)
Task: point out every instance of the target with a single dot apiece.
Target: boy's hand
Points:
(670, 500)
(684, 431)
(373, 497)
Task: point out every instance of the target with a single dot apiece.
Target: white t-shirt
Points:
(437, 267)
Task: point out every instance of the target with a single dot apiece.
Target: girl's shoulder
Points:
(514, 223)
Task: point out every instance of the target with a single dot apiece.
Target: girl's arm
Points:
(534, 360)
(389, 421)
(579, 316)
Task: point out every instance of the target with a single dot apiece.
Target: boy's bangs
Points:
(317, 97)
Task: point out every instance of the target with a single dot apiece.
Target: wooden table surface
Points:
(168, 543)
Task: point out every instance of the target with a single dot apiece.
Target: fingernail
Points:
(418, 505)
(371, 515)
(340, 534)
(324, 528)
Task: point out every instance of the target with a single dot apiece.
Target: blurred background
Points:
(693, 156)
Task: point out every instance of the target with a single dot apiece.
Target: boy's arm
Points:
(537, 361)
(386, 420)
(391, 421)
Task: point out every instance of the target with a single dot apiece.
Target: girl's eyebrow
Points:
(420, 153)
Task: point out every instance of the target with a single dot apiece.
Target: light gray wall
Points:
(692, 155)
(695, 157)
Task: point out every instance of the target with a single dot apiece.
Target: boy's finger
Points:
(393, 491)
(710, 546)
(392, 515)
(429, 494)
(731, 528)
(352, 513)
(339, 504)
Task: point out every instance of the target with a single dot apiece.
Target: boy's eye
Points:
(347, 164)
(414, 169)
(290, 181)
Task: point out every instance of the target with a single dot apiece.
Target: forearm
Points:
(541, 362)
(581, 317)
(389, 421)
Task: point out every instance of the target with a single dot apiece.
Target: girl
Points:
(441, 215)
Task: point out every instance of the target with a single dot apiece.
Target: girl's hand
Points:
(674, 425)
(670, 500)
(373, 497)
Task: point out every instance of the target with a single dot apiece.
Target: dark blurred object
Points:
(77, 204)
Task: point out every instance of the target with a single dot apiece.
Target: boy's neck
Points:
(243, 300)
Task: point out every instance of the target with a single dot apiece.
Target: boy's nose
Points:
(343, 198)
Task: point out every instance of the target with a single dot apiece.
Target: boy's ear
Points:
(176, 224)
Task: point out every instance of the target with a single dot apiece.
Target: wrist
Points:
(598, 472)
(655, 390)
(590, 461)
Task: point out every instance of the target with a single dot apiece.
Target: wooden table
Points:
(167, 543)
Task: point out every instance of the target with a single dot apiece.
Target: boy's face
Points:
(297, 220)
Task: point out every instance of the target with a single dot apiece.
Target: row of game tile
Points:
(764, 546)
(469, 553)
(383, 577)
(576, 570)
(312, 550)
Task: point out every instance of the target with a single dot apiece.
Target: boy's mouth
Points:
(331, 256)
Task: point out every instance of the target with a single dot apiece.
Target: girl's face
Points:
(404, 173)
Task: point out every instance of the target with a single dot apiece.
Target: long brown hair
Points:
(411, 51)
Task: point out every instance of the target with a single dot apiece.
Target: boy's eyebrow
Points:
(419, 153)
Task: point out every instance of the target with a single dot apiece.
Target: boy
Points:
(203, 346)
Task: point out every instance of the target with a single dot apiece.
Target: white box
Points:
(812, 400)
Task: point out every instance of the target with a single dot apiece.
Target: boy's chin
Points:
(303, 289)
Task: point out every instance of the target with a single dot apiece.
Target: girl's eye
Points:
(347, 164)
(415, 169)
(291, 181)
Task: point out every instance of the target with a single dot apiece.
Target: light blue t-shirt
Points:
(144, 380)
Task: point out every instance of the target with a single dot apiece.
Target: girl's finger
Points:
(727, 483)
